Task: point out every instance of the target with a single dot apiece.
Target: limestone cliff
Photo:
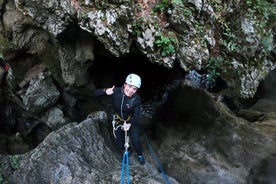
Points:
(233, 40)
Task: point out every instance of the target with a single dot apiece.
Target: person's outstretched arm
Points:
(104, 91)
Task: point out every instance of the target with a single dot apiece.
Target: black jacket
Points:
(123, 105)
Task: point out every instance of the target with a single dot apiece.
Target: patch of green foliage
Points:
(164, 5)
(267, 42)
(138, 25)
(229, 40)
(15, 162)
(84, 15)
(214, 68)
(200, 29)
(228, 37)
(166, 44)
(262, 7)
(265, 12)
(188, 12)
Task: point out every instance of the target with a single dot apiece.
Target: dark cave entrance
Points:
(183, 108)
(108, 71)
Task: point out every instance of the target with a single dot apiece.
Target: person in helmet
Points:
(126, 103)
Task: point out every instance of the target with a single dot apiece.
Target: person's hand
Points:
(126, 126)
(109, 91)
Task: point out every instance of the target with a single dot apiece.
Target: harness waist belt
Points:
(118, 117)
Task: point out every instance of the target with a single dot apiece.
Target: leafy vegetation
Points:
(84, 15)
(229, 41)
(267, 42)
(264, 11)
(138, 26)
(166, 44)
(213, 67)
(15, 162)
(188, 12)
(164, 5)
(200, 29)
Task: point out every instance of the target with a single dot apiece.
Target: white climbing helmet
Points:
(133, 79)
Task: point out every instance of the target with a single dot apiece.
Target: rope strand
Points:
(125, 160)
(156, 159)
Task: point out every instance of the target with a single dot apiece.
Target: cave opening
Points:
(108, 71)
(187, 109)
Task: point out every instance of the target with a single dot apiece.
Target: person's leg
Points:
(135, 138)
(120, 138)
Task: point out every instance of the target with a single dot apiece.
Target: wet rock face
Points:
(264, 173)
(78, 153)
(227, 150)
(41, 94)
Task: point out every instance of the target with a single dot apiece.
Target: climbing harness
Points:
(115, 125)
(117, 122)
(125, 159)
(156, 159)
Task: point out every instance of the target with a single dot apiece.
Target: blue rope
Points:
(123, 169)
(156, 159)
(128, 178)
(125, 158)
